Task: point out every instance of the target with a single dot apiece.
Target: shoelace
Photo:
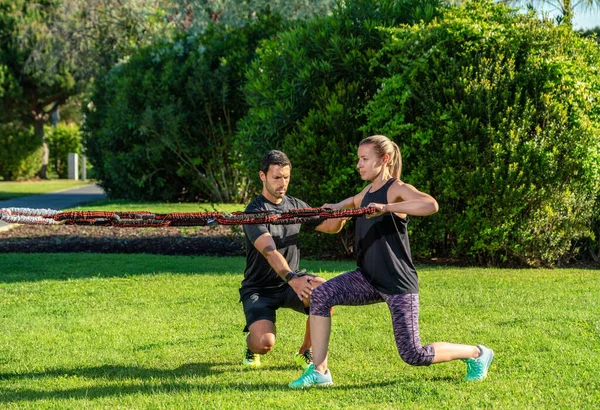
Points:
(474, 366)
(249, 354)
(469, 367)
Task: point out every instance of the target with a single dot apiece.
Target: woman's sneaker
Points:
(304, 359)
(312, 378)
(251, 359)
(477, 368)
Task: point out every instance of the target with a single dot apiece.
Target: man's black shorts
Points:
(261, 304)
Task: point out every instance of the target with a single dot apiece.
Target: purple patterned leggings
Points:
(352, 289)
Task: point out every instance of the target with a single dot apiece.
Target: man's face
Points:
(275, 182)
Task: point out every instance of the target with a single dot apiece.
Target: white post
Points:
(73, 166)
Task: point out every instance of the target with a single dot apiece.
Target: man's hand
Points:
(302, 286)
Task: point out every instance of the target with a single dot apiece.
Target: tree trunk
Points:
(38, 127)
(567, 13)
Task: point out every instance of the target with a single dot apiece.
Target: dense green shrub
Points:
(62, 140)
(306, 93)
(497, 116)
(161, 125)
(21, 152)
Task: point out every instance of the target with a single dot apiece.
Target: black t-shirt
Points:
(383, 248)
(258, 273)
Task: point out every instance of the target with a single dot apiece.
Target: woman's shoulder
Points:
(398, 184)
(397, 191)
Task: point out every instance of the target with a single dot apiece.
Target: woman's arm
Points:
(405, 199)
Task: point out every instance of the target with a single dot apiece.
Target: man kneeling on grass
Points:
(271, 278)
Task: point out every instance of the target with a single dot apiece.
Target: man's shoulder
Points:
(294, 202)
(257, 204)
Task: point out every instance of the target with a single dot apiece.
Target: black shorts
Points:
(261, 304)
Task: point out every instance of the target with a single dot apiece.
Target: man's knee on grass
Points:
(261, 339)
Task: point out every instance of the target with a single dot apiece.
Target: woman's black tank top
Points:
(383, 249)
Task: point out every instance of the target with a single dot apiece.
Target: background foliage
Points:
(161, 126)
(496, 112)
(497, 116)
(63, 139)
(306, 91)
(20, 155)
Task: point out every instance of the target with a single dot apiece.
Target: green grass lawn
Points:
(158, 207)
(10, 190)
(140, 331)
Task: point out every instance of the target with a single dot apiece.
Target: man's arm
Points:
(266, 246)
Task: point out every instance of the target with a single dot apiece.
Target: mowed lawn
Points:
(11, 190)
(139, 331)
(117, 205)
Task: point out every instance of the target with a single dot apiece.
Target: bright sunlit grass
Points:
(158, 207)
(10, 190)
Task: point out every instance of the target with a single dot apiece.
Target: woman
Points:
(385, 270)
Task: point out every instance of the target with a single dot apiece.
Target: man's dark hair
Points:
(274, 157)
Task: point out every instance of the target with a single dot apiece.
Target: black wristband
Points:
(289, 276)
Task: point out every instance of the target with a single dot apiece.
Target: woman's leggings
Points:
(352, 289)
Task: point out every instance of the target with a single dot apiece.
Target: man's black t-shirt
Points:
(258, 273)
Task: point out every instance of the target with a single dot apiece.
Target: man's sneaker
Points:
(477, 368)
(304, 359)
(251, 359)
(312, 378)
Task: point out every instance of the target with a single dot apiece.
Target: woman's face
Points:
(369, 163)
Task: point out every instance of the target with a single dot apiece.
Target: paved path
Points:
(55, 200)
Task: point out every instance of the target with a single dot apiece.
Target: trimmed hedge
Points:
(497, 116)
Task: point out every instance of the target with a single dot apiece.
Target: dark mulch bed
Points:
(213, 240)
(218, 240)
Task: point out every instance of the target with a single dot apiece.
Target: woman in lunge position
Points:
(385, 271)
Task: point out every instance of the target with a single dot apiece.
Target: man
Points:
(271, 278)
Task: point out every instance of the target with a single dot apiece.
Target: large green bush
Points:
(21, 152)
(306, 93)
(62, 139)
(497, 116)
(161, 125)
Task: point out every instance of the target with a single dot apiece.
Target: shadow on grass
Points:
(48, 266)
(113, 372)
(33, 267)
(157, 381)
(147, 381)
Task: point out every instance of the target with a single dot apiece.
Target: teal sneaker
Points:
(304, 360)
(312, 378)
(477, 368)
(251, 358)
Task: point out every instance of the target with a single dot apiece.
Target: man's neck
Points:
(271, 198)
